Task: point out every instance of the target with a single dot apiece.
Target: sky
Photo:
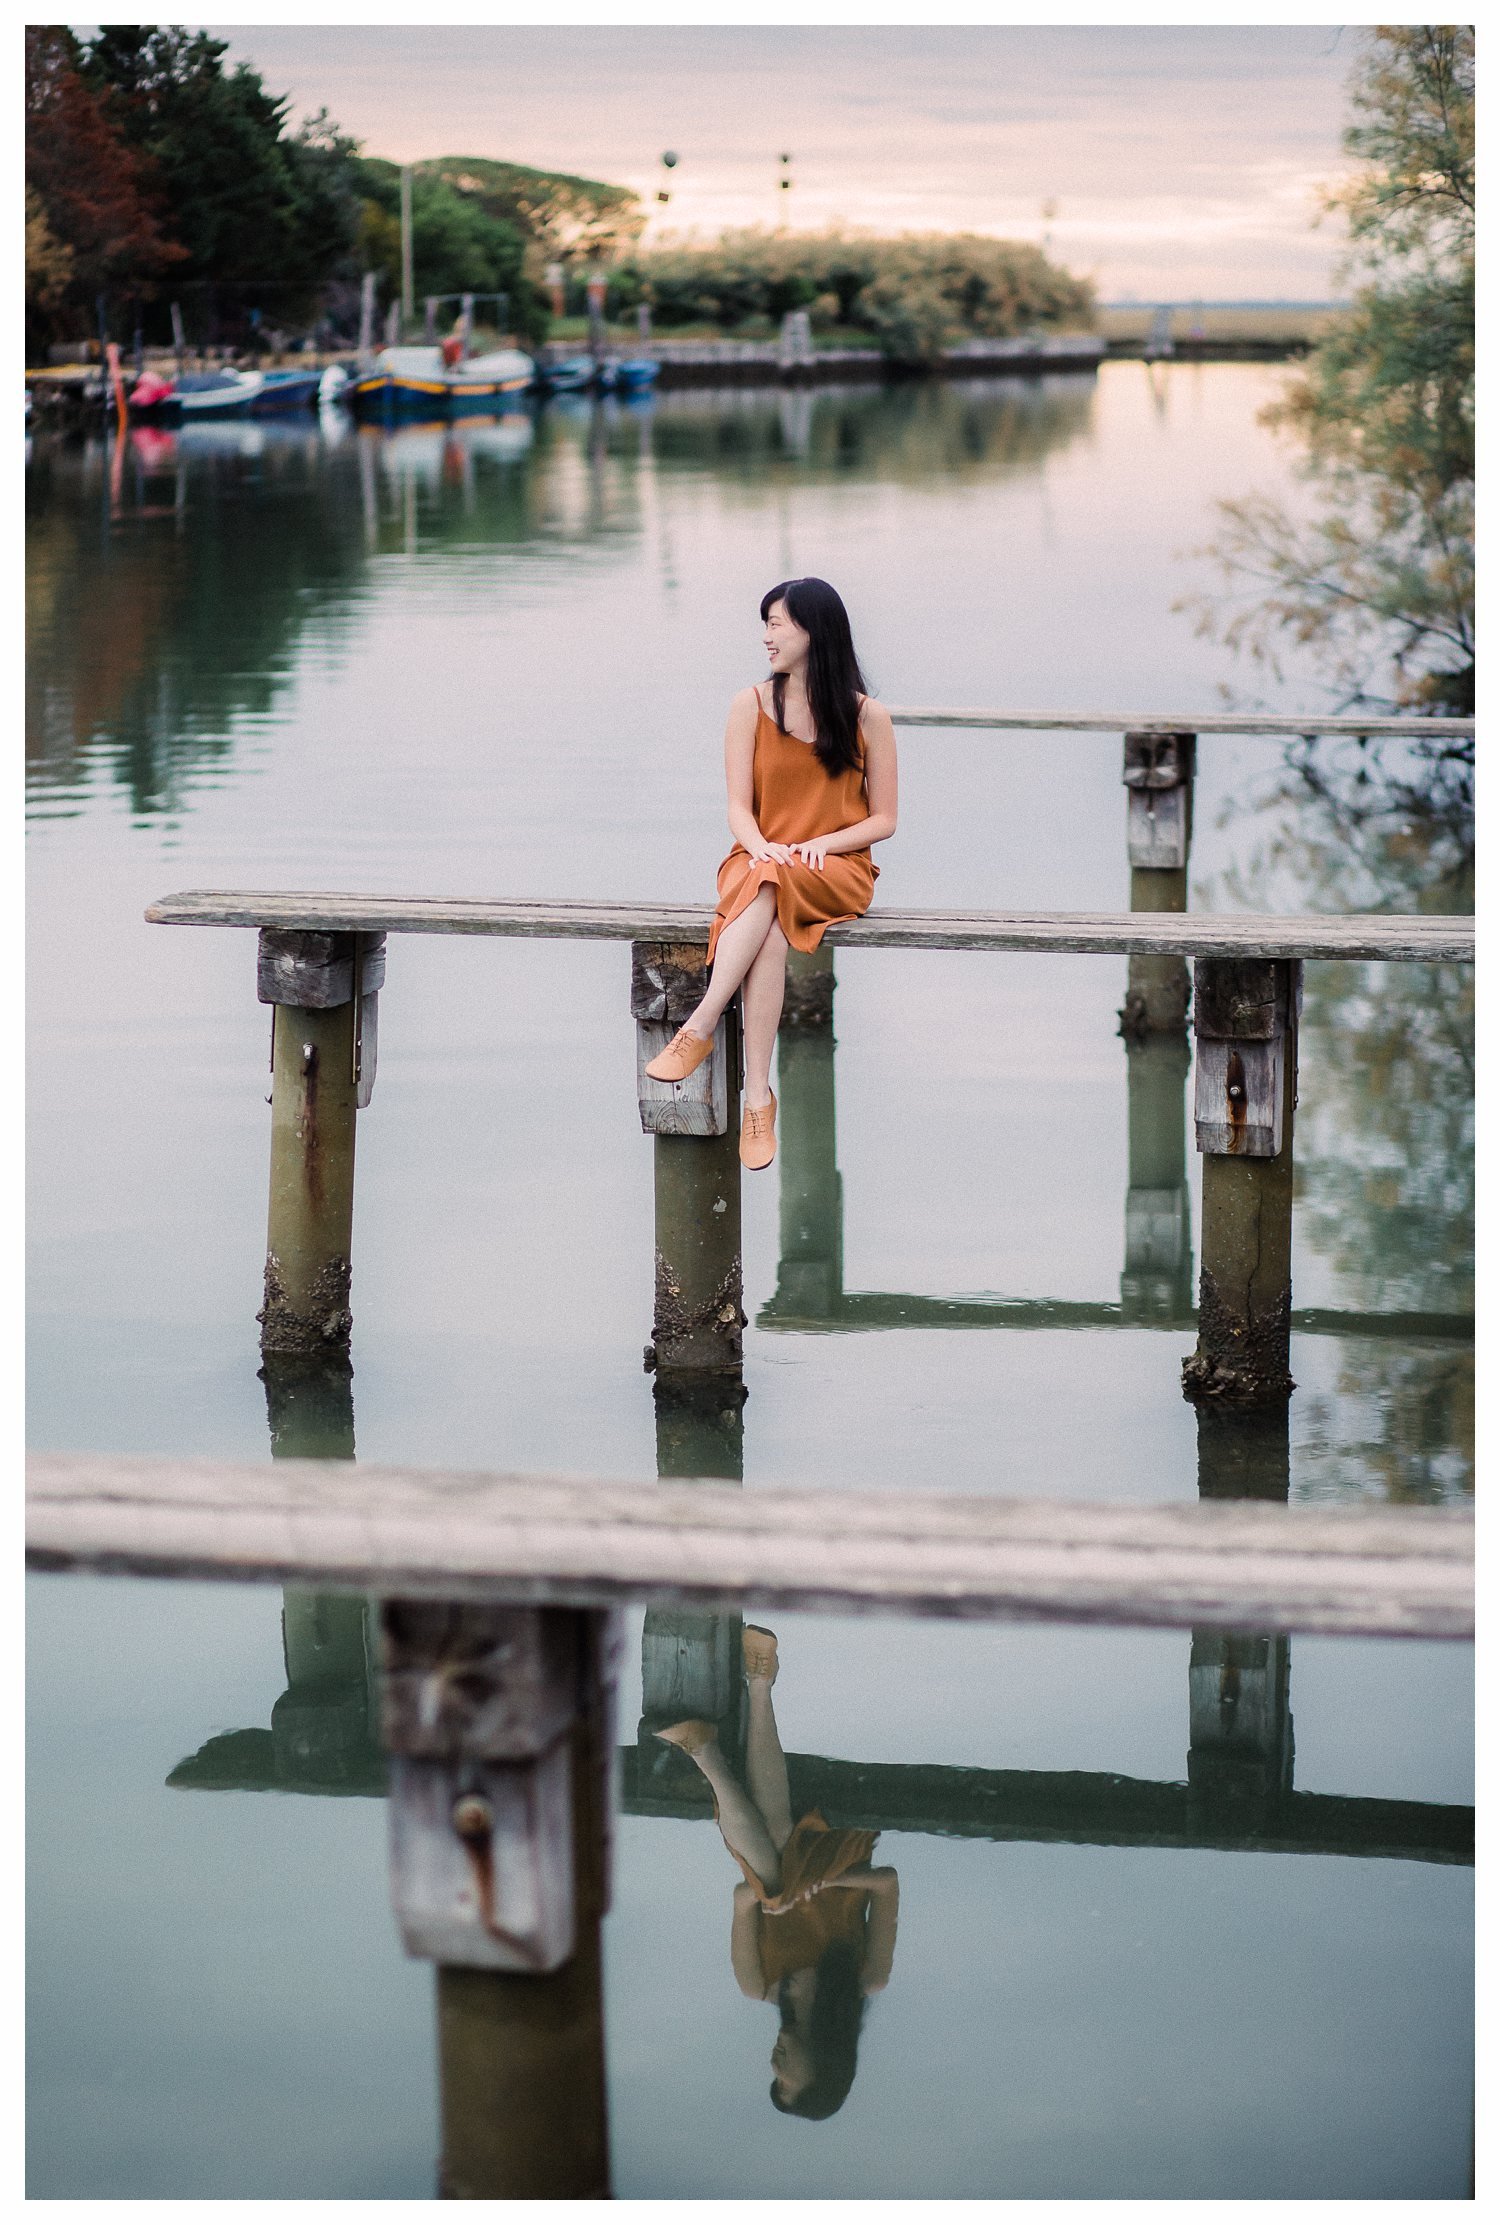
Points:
(1178, 162)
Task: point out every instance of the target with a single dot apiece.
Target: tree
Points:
(250, 201)
(93, 213)
(1379, 585)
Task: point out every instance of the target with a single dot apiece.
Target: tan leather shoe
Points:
(758, 1134)
(687, 1737)
(759, 1649)
(682, 1056)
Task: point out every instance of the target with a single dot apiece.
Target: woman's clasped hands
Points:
(792, 853)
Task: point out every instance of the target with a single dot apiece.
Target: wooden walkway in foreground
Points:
(1396, 936)
(1228, 1565)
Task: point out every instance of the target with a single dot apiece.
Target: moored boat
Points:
(287, 390)
(485, 380)
(574, 376)
(225, 393)
(636, 375)
(417, 382)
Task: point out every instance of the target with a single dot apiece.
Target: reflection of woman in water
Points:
(814, 1925)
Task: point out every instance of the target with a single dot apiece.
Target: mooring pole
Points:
(500, 1724)
(1245, 1021)
(699, 1315)
(322, 989)
(1158, 778)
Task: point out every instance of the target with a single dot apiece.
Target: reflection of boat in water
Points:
(427, 453)
(420, 382)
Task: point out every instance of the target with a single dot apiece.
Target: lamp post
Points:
(784, 185)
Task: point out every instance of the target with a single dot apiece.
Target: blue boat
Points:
(636, 376)
(287, 390)
(575, 376)
(416, 382)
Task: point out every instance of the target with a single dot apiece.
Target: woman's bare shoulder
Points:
(873, 713)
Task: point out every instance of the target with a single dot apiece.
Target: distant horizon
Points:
(1153, 160)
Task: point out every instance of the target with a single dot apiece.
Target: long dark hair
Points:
(838, 2011)
(834, 680)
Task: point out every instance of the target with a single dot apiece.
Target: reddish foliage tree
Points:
(95, 190)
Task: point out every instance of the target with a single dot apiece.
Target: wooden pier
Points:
(453, 1639)
(554, 1542)
(321, 954)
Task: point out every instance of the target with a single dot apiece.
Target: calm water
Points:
(496, 663)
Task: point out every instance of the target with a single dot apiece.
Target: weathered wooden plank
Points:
(1417, 937)
(1188, 722)
(1221, 1565)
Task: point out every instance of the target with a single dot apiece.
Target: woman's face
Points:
(786, 643)
(792, 2062)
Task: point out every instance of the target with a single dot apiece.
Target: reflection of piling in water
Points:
(810, 1272)
(1244, 1453)
(1239, 1684)
(1158, 1277)
(309, 1406)
(325, 1725)
(691, 1661)
(1239, 1726)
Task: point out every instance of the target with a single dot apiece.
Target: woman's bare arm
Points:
(739, 780)
(880, 1930)
(744, 1943)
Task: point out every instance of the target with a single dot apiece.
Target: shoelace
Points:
(757, 1114)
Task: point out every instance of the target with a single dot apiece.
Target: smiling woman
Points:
(812, 784)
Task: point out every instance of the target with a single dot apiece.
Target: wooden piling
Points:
(699, 1315)
(521, 2059)
(1158, 776)
(321, 988)
(1245, 1018)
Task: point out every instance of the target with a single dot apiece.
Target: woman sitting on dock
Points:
(811, 775)
(814, 1926)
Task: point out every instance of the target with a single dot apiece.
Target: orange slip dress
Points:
(794, 801)
(799, 1924)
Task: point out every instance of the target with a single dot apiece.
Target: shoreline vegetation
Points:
(138, 230)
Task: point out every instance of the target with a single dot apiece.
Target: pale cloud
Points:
(1182, 161)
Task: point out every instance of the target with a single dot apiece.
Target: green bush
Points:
(915, 295)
